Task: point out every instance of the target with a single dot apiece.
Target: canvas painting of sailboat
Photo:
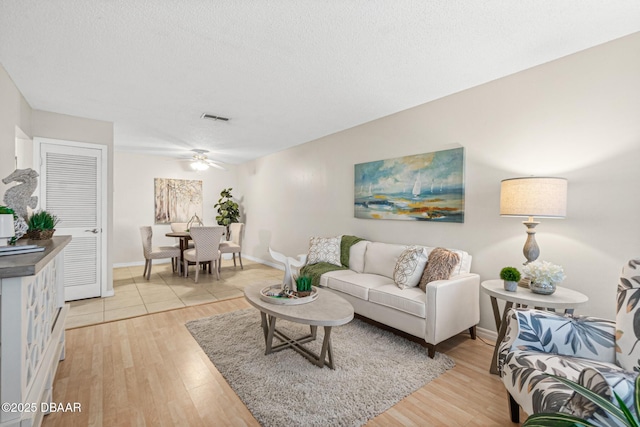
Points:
(422, 187)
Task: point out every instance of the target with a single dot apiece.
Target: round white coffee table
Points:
(327, 310)
(562, 298)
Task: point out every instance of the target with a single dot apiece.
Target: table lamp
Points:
(541, 197)
(7, 230)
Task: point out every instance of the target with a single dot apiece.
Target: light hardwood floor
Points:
(149, 371)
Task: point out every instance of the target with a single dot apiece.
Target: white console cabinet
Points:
(32, 319)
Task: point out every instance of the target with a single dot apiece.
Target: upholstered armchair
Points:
(599, 354)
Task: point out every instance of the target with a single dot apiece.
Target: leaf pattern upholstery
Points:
(539, 343)
(600, 354)
(628, 317)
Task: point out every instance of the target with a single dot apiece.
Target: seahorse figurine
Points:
(20, 196)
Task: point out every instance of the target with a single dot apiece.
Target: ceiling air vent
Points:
(212, 117)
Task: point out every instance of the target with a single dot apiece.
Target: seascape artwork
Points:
(422, 187)
(177, 200)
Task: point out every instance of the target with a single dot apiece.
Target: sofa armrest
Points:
(452, 306)
(548, 332)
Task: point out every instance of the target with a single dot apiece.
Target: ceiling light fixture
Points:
(199, 160)
(199, 165)
(212, 117)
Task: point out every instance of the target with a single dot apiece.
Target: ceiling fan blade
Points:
(215, 165)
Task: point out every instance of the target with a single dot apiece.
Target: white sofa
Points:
(447, 308)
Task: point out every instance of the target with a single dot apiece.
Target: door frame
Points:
(37, 162)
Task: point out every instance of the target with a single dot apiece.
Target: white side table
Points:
(562, 298)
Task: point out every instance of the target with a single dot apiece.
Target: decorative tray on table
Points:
(274, 295)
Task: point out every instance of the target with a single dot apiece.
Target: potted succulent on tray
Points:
(303, 286)
(511, 276)
(42, 225)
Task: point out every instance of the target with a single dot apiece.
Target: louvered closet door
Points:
(71, 189)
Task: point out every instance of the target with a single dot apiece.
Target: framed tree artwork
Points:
(177, 200)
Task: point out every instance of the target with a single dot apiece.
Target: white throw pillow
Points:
(381, 258)
(356, 256)
(324, 249)
(409, 267)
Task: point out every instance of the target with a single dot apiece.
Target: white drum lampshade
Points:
(541, 197)
(7, 230)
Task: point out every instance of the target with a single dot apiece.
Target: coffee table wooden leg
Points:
(271, 321)
(326, 349)
(265, 325)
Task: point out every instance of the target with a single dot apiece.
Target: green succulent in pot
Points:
(42, 224)
(42, 220)
(303, 285)
(510, 274)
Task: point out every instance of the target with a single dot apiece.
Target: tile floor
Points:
(135, 296)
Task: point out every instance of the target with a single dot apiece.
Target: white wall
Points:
(15, 112)
(134, 202)
(576, 117)
(19, 120)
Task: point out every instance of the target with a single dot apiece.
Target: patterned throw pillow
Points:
(439, 266)
(409, 267)
(324, 249)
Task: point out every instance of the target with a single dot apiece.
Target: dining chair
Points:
(207, 241)
(234, 245)
(151, 253)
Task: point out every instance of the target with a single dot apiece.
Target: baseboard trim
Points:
(487, 334)
(166, 261)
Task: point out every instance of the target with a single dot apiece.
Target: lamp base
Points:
(531, 250)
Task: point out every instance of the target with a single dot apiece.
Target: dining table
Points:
(184, 237)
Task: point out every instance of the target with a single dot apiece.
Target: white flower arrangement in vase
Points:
(544, 276)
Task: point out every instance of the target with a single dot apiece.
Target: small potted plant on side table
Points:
(511, 276)
(41, 225)
(303, 286)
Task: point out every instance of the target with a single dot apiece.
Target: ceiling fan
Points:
(199, 161)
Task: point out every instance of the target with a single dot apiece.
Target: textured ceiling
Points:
(284, 72)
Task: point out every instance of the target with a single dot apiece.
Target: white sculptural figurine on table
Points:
(290, 263)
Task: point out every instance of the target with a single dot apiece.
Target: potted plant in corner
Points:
(228, 210)
(511, 276)
(42, 225)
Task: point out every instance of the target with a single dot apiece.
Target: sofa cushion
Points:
(356, 256)
(381, 258)
(409, 267)
(358, 284)
(324, 249)
(440, 265)
(410, 300)
(324, 279)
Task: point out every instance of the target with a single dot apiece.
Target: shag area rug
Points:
(375, 369)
